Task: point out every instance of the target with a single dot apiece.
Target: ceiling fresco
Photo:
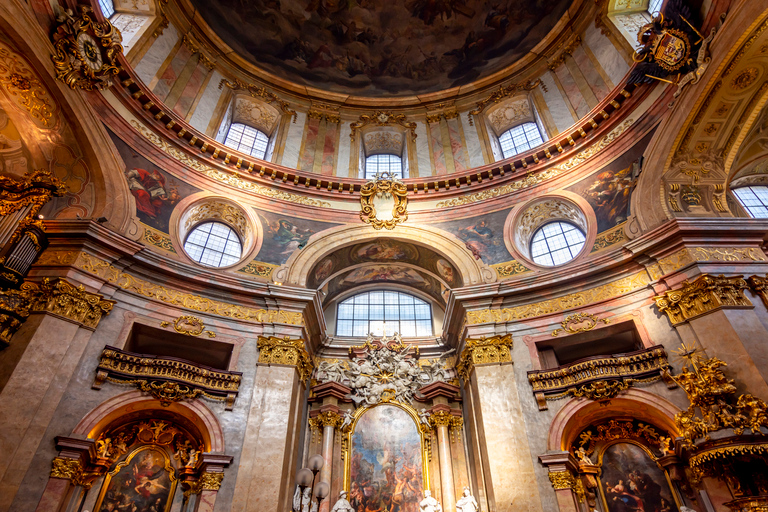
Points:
(374, 48)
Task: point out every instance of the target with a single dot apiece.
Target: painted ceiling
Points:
(378, 48)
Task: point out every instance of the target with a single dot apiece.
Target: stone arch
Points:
(295, 271)
(133, 402)
(634, 403)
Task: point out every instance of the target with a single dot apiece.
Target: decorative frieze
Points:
(703, 295)
(285, 351)
(600, 378)
(497, 349)
(165, 378)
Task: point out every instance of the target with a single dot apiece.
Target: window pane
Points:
(376, 164)
(556, 243)
(247, 139)
(384, 311)
(520, 138)
(107, 8)
(754, 199)
(214, 244)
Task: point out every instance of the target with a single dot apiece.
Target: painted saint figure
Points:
(467, 502)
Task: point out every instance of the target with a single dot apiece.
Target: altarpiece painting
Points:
(386, 468)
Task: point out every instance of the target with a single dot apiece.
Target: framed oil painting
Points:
(144, 482)
(385, 469)
(630, 481)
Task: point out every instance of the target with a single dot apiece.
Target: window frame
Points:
(350, 301)
(529, 142)
(240, 147)
(371, 175)
(748, 209)
(550, 251)
(205, 247)
(107, 3)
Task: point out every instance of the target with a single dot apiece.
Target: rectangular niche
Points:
(198, 350)
(614, 339)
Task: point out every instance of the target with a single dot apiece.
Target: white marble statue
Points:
(342, 505)
(347, 420)
(467, 502)
(305, 505)
(424, 416)
(429, 504)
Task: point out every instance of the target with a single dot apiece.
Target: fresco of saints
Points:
(149, 189)
(609, 196)
(477, 237)
(288, 235)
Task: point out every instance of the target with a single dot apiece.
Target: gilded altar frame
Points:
(120, 465)
(672, 489)
(425, 433)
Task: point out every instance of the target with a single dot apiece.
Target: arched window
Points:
(392, 164)
(214, 244)
(247, 139)
(556, 243)
(384, 312)
(754, 199)
(520, 138)
(107, 8)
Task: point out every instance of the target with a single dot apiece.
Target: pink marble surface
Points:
(307, 158)
(171, 72)
(572, 91)
(458, 149)
(191, 90)
(54, 495)
(436, 146)
(329, 149)
(592, 76)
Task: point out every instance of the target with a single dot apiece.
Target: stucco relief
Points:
(509, 114)
(383, 142)
(540, 213)
(255, 114)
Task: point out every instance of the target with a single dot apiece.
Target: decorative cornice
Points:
(703, 295)
(382, 118)
(497, 349)
(72, 469)
(562, 480)
(259, 93)
(285, 351)
(688, 255)
(564, 303)
(167, 379)
(128, 282)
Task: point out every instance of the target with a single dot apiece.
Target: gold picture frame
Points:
(167, 466)
(424, 434)
(381, 192)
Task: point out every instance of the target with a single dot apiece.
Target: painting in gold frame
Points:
(385, 449)
(146, 479)
(632, 481)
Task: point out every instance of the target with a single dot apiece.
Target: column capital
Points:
(496, 349)
(444, 418)
(285, 351)
(326, 419)
(73, 470)
(706, 293)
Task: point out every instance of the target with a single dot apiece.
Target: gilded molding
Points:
(158, 239)
(564, 303)
(326, 419)
(613, 430)
(495, 350)
(189, 326)
(64, 299)
(385, 187)
(167, 379)
(562, 480)
(219, 210)
(258, 269)
(72, 470)
(531, 179)
(32, 190)
(703, 295)
(689, 255)
(509, 269)
(609, 238)
(445, 419)
(382, 118)
(502, 93)
(579, 322)
(211, 481)
(86, 51)
(259, 93)
(285, 351)
(25, 89)
(233, 180)
(601, 390)
(127, 282)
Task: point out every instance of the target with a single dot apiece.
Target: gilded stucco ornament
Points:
(497, 349)
(579, 322)
(32, 191)
(189, 325)
(704, 294)
(326, 419)
(86, 51)
(72, 469)
(382, 118)
(384, 202)
(285, 351)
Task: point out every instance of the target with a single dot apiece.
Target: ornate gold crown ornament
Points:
(86, 51)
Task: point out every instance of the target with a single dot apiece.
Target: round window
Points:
(214, 244)
(556, 243)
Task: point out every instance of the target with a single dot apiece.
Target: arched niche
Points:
(296, 270)
(378, 434)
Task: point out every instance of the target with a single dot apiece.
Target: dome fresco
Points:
(371, 48)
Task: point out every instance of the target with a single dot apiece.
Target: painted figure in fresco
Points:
(150, 191)
(445, 269)
(288, 235)
(477, 237)
(467, 502)
(382, 250)
(141, 486)
(323, 270)
(609, 196)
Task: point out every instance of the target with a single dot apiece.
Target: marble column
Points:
(265, 478)
(486, 367)
(441, 420)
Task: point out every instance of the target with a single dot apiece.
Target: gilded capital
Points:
(706, 293)
(285, 351)
(211, 481)
(497, 349)
(562, 480)
(326, 419)
(65, 299)
(72, 470)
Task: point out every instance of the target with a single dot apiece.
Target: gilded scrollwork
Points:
(704, 294)
(168, 391)
(285, 351)
(31, 191)
(386, 191)
(497, 349)
(258, 269)
(18, 79)
(189, 326)
(72, 469)
(509, 269)
(158, 239)
(579, 322)
(260, 93)
(504, 92)
(86, 51)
